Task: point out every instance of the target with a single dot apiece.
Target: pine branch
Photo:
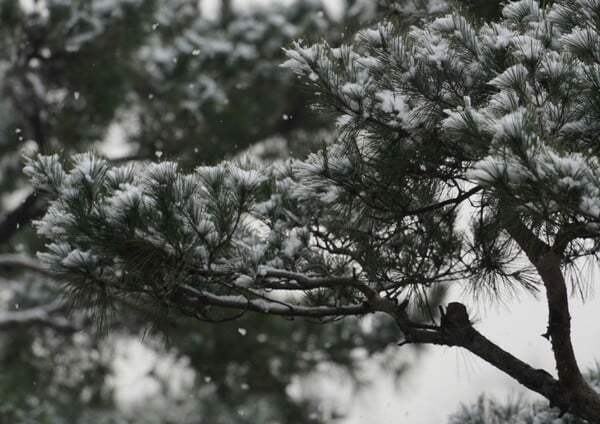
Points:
(201, 299)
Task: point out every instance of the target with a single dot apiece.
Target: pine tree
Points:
(494, 121)
(178, 86)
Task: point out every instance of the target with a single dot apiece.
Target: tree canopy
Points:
(464, 151)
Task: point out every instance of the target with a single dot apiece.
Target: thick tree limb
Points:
(559, 320)
(457, 330)
(28, 98)
(309, 282)
(548, 262)
(531, 245)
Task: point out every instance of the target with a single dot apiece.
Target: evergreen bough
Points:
(447, 123)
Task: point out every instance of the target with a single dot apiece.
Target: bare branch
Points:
(571, 232)
(41, 316)
(17, 261)
(548, 264)
(453, 201)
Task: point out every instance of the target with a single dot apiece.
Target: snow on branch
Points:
(432, 118)
(49, 315)
(271, 307)
(424, 115)
(23, 262)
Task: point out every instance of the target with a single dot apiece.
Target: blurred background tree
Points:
(143, 80)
